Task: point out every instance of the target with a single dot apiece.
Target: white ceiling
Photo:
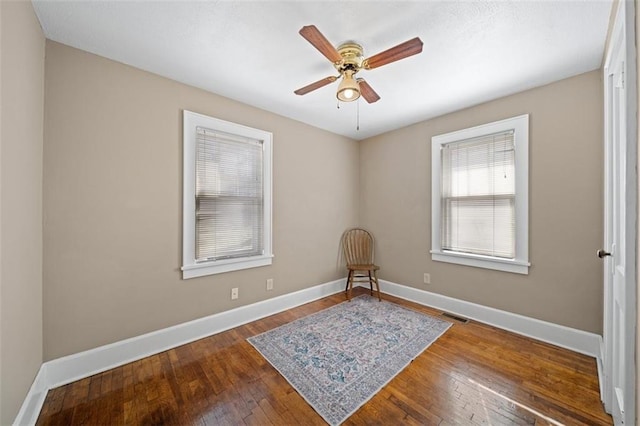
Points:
(474, 51)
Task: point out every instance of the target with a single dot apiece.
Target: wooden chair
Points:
(357, 246)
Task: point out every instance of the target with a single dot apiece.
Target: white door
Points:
(620, 215)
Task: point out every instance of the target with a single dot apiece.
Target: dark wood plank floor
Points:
(473, 374)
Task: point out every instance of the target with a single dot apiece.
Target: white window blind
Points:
(478, 196)
(229, 196)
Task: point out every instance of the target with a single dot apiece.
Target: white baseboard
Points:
(74, 367)
(32, 404)
(559, 335)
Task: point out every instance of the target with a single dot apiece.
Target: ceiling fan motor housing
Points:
(352, 57)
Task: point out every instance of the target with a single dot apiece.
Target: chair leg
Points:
(346, 287)
(370, 283)
(349, 285)
(375, 278)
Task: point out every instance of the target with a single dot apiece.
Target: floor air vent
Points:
(455, 317)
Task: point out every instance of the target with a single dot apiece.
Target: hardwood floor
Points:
(473, 374)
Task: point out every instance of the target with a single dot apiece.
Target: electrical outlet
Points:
(270, 284)
(427, 278)
(234, 293)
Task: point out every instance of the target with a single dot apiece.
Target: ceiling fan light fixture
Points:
(349, 89)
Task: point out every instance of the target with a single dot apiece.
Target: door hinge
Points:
(620, 82)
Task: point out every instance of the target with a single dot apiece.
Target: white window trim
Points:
(191, 269)
(520, 264)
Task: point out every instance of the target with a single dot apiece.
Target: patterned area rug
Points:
(338, 358)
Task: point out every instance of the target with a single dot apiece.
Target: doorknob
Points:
(601, 253)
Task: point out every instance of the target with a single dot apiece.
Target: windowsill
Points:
(221, 266)
(507, 265)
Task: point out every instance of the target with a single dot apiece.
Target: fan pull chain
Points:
(358, 115)
(338, 104)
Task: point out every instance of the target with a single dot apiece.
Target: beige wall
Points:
(564, 284)
(113, 206)
(21, 115)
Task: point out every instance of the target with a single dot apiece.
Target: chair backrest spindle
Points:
(357, 245)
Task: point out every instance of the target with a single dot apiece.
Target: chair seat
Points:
(370, 267)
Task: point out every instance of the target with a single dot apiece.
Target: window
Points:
(479, 196)
(227, 196)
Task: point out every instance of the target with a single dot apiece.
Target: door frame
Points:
(622, 42)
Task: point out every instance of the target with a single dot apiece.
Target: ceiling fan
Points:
(348, 60)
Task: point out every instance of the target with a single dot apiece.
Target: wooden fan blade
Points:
(313, 86)
(401, 51)
(315, 37)
(367, 92)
